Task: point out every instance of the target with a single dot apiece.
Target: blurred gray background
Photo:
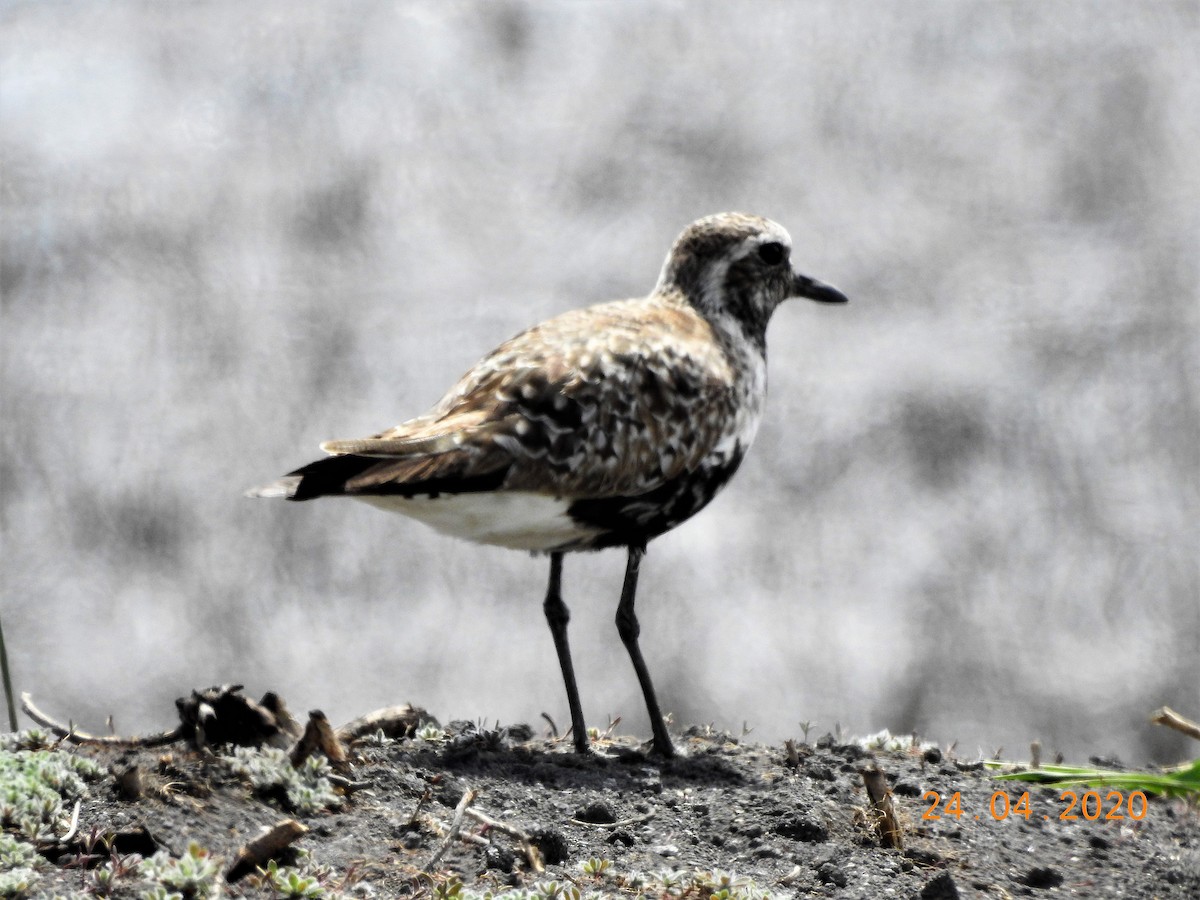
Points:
(231, 231)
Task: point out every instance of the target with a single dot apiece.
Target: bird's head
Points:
(738, 265)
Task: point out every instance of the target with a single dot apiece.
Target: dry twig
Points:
(886, 822)
(1170, 718)
(263, 848)
(793, 755)
(455, 825)
(624, 823)
(74, 824)
(532, 854)
(319, 737)
(394, 721)
(348, 787)
(74, 736)
(425, 798)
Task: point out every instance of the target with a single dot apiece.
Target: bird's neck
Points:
(744, 343)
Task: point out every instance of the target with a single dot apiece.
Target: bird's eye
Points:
(773, 253)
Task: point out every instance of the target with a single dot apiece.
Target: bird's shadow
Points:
(557, 769)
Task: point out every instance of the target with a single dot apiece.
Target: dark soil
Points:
(797, 828)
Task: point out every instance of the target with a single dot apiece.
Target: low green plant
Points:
(668, 885)
(194, 875)
(671, 884)
(103, 879)
(376, 738)
(290, 882)
(19, 862)
(17, 854)
(158, 892)
(452, 889)
(596, 867)
(431, 734)
(16, 882)
(307, 789)
(35, 785)
(32, 739)
(894, 743)
(304, 881)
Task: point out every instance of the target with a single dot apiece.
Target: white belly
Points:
(518, 519)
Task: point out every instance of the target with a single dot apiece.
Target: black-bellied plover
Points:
(602, 427)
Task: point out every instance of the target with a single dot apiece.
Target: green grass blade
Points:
(1176, 781)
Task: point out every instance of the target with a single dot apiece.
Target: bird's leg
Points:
(629, 629)
(557, 615)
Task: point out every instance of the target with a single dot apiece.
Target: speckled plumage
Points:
(632, 413)
(604, 426)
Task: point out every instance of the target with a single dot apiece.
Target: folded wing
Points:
(613, 400)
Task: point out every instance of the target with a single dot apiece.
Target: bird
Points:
(603, 427)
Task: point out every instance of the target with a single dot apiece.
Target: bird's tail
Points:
(318, 479)
(283, 489)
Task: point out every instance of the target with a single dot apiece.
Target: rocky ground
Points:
(728, 815)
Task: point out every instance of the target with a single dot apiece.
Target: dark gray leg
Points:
(557, 615)
(629, 629)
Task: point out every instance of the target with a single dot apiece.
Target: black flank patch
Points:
(631, 521)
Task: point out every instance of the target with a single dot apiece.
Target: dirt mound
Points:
(501, 809)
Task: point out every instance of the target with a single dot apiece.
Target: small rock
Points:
(598, 813)
(933, 755)
(801, 828)
(412, 841)
(621, 836)
(940, 887)
(667, 850)
(927, 858)
(1042, 877)
(499, 858)
(831, 873)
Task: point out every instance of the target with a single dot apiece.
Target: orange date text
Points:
(1090, 805)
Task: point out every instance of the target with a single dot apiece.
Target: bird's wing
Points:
(605, 401)
(390, 447)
